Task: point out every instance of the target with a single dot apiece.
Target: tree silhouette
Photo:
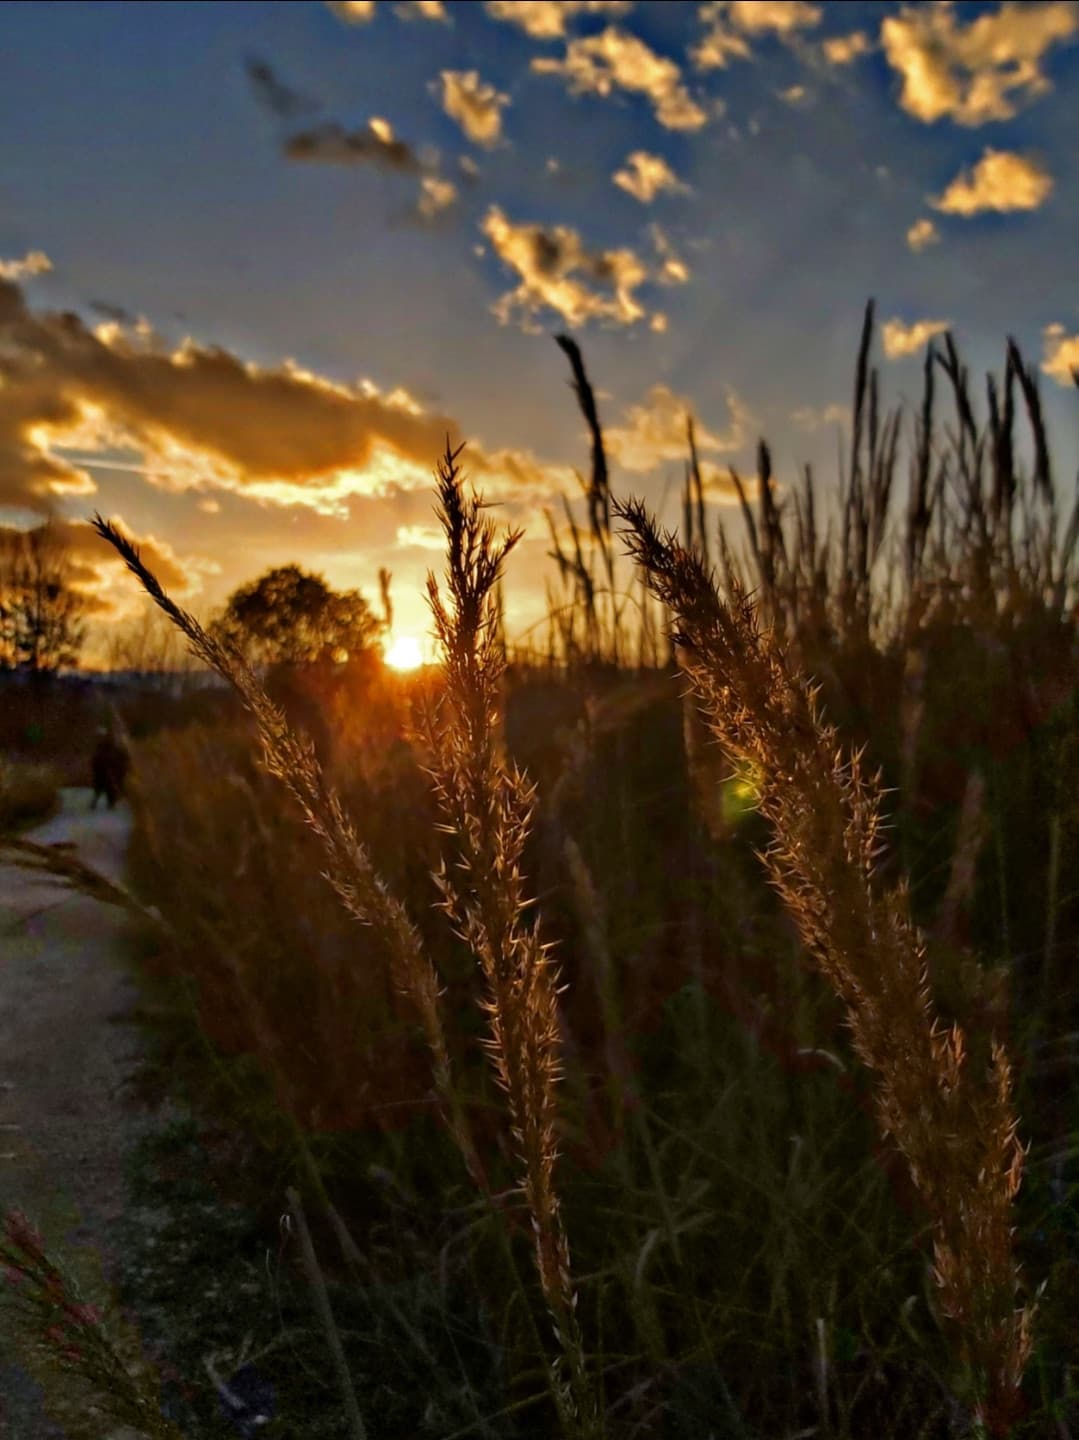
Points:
(41, 614)
(290, 617)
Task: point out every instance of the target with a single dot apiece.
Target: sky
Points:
(258, 260)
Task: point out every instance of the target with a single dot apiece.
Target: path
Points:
(66, 1048)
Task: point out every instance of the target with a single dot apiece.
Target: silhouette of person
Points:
(108, 766)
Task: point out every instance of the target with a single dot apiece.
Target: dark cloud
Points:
(374, 144)
(273, 94)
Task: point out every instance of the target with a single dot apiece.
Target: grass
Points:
(748, 1162)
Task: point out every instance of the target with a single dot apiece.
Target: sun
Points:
(403, 653)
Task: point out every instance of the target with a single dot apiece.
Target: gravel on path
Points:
(68, 1046)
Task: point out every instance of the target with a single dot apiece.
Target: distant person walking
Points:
(109, 766)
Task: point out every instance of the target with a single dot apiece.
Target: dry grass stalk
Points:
(487, 805)
(321, 1299)
(75, 1338)
(290, 758)
(957, 1134)
(75, 874)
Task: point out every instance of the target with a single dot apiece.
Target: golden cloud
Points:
(777, 17)
(615, 60)
(977, 72)
(203, 419)
(476, 106)
(99, 575)
(729, 22)
(655, 431)
(558, 273)
(422, 10)
(922, 234)
(1001, 181)
(644, 176)
(901, 340)
(845, 49)
(1061, 355)
(436, 195)
(34, 262)
(353, 12)
(547, 19)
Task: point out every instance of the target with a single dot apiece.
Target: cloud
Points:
(200, 418)
(729, 22)
(776, 17)
(1061, 355)
(797, 96)
(273, 94)
(807, 418)
(645, 175)
(547, 19)
(362, 12)
(901, 340)
(977, 72)
(615, 60)
(673, 269)
(34, 262)
(476, 106)
(655, 431)
(558, 273)
(422, 10)
(845, 49)
(436, 195)
(375, 144)
(1001, 181)
(100, 576)
(922, 234)
(353, 12)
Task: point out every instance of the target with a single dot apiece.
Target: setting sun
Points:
(403, 653)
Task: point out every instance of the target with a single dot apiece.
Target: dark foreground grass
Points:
(750, 1259)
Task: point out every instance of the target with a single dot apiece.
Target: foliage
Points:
(291, 617)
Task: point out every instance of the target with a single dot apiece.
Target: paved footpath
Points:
(67, 1045)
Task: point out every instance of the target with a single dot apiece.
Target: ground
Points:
(68, 1047)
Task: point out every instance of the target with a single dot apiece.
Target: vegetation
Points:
(289, 617)
(748, 1162)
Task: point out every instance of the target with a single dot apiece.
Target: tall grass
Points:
(957, 1132)
(682, 1099)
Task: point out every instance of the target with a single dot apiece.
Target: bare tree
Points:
(149, 645)
(41, 613)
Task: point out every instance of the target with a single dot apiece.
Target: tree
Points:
(41, 614)
(149, 645)
(290, 617)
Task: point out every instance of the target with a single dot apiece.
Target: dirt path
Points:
(67, 1046)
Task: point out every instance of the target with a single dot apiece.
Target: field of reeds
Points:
(667, 1028)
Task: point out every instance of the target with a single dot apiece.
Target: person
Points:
(108, 765)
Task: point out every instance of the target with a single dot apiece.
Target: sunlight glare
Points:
(403, 653)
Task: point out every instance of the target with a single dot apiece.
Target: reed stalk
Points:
(956, 1131)
(487, 806)
(291, 759)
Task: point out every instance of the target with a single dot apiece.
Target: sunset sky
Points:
(256, 260)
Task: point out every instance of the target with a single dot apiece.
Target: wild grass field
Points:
(667, 1029)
